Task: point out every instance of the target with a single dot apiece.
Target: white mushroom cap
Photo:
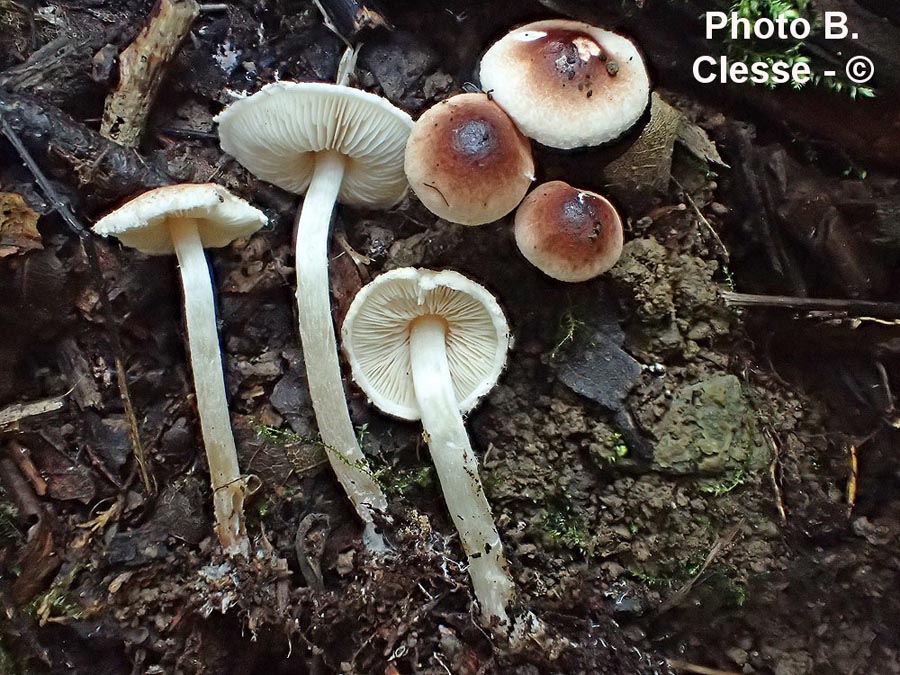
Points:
(276, 132)
(376, 336)
(221, 217)
(567, 84)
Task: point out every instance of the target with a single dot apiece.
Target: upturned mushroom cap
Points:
(376, 336)
(221, 217)
(467, 162)
(569, 234)
(276, 132)
(567, 84)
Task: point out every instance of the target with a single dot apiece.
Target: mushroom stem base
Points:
(323, 370)
(457, 467)
(209, 384)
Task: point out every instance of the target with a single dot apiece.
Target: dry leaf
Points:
(18, 226)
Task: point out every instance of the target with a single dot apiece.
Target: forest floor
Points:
(681, 485)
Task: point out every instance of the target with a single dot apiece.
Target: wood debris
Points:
(142, 68)
(18, 226)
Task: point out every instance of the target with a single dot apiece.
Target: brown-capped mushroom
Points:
(567, 84)
(569, 234)
(467, 162)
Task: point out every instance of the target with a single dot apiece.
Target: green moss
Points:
(649, 579)
(790, 52)
(567, 528)
(718, 489)
(406, 482)
(56, 602)
(288, 438)
(569, 325)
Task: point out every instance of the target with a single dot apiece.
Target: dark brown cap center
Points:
(474, 139)
(572, 56)
(585, 216)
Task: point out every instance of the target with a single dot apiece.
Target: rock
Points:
(290, 396)
(398, 62)
(710, 429)
(595, 366)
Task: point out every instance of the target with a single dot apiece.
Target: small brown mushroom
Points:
(467, 162)
(569, 234)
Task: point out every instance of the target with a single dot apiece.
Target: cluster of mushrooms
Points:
(421, 344)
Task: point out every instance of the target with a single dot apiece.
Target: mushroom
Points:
(428, 345)
(185, 219)
(332, 143)
(467, 162)
(567, 84)
(569, 234)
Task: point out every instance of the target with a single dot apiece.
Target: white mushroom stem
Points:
(209, 384)
(323, 370)
(457, 467)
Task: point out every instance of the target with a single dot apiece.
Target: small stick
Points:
(718, 548)
(686, 667)
(142, 68)
(699, 214)
(22, 458)
(856, 307)
(775, 474)
(90, 250)
(346, 18)
(16, 412)
(853, 480)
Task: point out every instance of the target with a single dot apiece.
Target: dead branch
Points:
(142, 68)
(889, 310)
(110, 171)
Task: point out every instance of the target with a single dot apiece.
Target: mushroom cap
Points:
(376, 336)
(221, 217)
(276, 132)
(567, 84)
(467, 162)
(569, 234)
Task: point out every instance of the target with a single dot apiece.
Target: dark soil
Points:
(679, 484)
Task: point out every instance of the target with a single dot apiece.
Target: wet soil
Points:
(679, 484)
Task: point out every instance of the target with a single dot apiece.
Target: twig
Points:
(22, 457)
(142, 67)
(360, 260)
(20, 411)
(346, 18)
(853, 479)
(712, 230)
(310, 566)
(856, 307)
(88, 246)
(686, 667)
(109, 171)
(775, 474)
(718, 548)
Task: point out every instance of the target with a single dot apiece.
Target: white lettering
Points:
(835, 26)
